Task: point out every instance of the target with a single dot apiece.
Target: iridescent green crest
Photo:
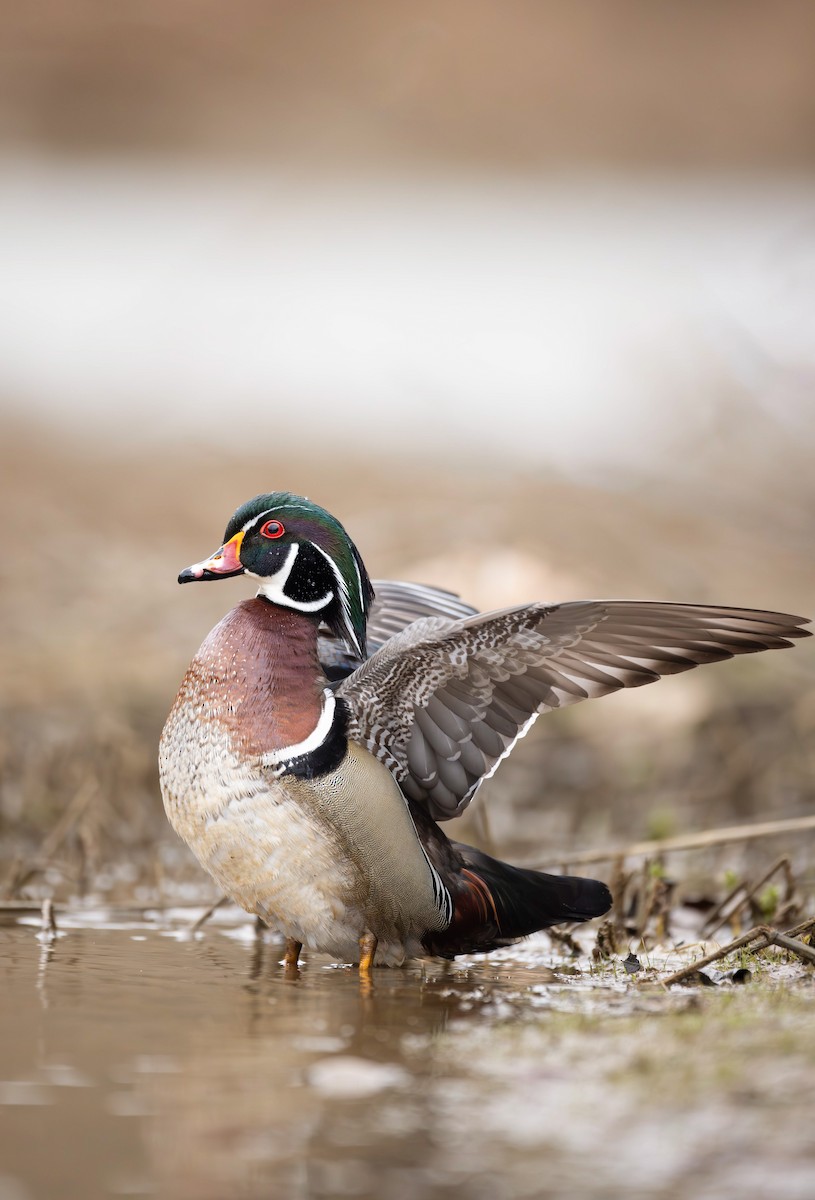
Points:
(325, 560)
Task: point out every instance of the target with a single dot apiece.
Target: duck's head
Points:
(303, 559)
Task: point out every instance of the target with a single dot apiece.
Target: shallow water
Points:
(136, 1060)
(138, 1063)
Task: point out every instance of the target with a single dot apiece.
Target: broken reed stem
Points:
(618, 884)
(81, 799)
(642, 899)
(49, 923)
(22, 870)
(757, 938)
(759, 931)
(564, 939)
(807, 926)
(796, 946)
(205, 916)
(721, 913)
(690, 841)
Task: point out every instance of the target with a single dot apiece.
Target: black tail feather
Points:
(495, 903)
(530, 900)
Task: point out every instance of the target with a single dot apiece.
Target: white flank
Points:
(272, 586)
(314, 740)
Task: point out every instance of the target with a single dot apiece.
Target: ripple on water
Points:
(194, 1068)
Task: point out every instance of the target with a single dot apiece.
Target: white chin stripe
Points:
(272, 587)
(314, 740)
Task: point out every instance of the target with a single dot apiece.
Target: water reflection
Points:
(136, 1062)
(194, 1068)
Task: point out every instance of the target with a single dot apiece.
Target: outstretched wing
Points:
(443, 702)
(395, 606)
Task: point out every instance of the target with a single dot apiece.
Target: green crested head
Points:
(304, 559)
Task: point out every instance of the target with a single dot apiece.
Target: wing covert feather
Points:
(444, 701)
(396, 605)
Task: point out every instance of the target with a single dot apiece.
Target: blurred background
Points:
(523, 292)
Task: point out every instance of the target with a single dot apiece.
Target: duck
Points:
(328, 727)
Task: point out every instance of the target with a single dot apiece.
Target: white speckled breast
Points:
(322, 861)
(266, 852)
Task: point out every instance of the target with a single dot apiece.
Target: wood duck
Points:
(321, 733)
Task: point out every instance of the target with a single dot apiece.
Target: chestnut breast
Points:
(257, 675)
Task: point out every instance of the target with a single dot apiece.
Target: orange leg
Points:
(367, 950)
(292, 954)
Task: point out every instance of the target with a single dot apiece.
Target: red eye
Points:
(272, 529)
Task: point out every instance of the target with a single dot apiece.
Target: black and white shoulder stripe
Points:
(322, 751)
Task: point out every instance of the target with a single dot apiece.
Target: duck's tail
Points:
(495, 904)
